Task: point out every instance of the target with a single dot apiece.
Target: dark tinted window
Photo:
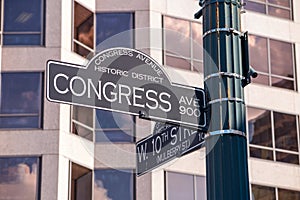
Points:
(288, 194)
(263, 192)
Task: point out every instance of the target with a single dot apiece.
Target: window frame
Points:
(192, 59)
(42, 33)
(267, 5)
(40, 114)
(273, 148)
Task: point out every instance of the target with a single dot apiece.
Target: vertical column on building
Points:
(226, 145)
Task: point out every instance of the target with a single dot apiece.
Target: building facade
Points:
(59, 151)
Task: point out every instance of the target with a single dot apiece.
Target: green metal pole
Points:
(225, 75)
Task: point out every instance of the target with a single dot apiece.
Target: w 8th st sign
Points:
(127, 81)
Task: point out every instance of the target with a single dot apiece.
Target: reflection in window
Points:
(285, 131)
(264, 127)
(88, 35)
(186, 53)
(185, 186)
(21, 100)
(114, 127)
(110, 24)
(274, 61)
(287, 157)
(263, 192)
(19, 178)
(105, 125)
(114, 184)
(269, 193)
(83, 30)
(288, 194)
(277, 8)
(261, 153)
(259, 122)
(23, 22)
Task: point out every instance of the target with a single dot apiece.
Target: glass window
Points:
(263, 192)
(287, 157)
(274, 61)
(281, 57)
(19, 178)
(200, 188)
(87, 35)
(21, 100)
(259, 53)
(256, 7)
(183, 44)
(110, 24)
(114, 184)
(23, 22)
(114, 127)
(83, 42)
(288, 194)
(83, 115)
(180, 186)
(273, 135)
(259, 123)
(268, 193)
(277, 8)
(180, 32)
(82, 122)
(185, 186)
(285, 131)
(81, 182)
(261, 153)
(107, 127)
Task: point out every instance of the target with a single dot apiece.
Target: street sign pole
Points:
(226, 144)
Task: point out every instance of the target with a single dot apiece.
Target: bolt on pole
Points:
(226, 73)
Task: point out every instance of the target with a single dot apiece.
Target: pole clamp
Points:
(228, 74)
(227, 131)
(228, 30)
(207, 2)
(226, 99)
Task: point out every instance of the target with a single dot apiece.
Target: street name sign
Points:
(171, 142)
(128, 81)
